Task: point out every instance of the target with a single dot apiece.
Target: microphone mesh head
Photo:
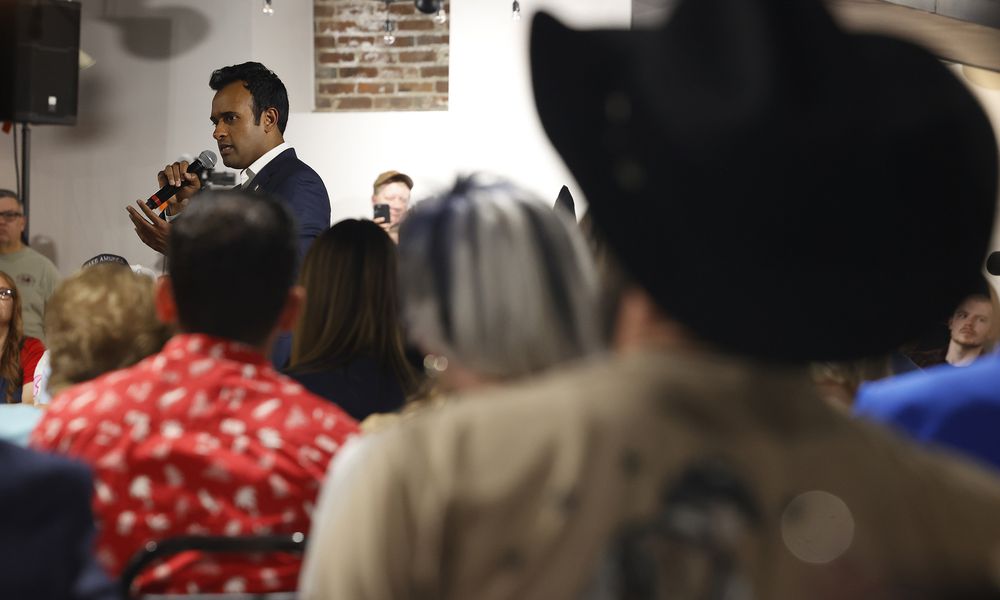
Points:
(208, 159)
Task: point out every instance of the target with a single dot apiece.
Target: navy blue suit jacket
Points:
(301, 188)
(47, 529)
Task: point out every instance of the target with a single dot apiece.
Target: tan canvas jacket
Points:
(567, 487)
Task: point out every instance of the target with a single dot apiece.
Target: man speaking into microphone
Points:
(249, 112)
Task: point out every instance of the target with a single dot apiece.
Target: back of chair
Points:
(154, 551)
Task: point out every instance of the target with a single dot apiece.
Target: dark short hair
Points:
(4, 193)
(265, 88)
(231, 260)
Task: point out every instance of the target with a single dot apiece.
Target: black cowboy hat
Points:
(806, 193)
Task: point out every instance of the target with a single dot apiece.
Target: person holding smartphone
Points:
(390, 201)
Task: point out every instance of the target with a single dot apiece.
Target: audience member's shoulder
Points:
(944, 385)
(32, 346)
(545, 395)
(29, 471)
(89, 388)
(41, 258)
(328, 414)
(509, 420)
(954, 477)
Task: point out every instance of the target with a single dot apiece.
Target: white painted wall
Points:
(147, 101)
(491, 122)
(986, 87)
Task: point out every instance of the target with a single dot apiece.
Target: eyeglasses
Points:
(6, 293)
(10, 215)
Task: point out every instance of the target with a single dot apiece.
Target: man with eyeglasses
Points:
(35, 275)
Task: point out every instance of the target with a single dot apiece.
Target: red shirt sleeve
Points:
(31, 351)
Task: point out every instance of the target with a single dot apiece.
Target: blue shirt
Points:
(956, 407)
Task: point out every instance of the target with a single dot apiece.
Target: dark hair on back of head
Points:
(231, 261)
(264, 86)
(352, 301)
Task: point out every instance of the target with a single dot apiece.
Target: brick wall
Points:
(357, 71)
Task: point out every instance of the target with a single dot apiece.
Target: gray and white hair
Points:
(493, 278)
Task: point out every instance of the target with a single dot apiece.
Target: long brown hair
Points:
(10, 362)
(351, 307)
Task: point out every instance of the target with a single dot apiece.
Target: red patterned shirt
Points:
(202, 438)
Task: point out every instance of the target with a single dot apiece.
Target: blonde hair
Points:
(101, 319)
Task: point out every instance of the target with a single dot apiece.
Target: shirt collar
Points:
(215, 347)
(247, 175)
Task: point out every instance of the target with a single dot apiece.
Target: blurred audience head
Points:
(351, 307)
(231, 266)
(13, 327)
(101, 319)
(496, 282)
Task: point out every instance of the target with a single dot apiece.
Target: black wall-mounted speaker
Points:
(39, 61)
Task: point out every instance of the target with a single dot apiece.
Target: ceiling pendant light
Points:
(441, 17)
(388, 29)
(428, 7)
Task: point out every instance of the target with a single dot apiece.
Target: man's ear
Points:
(294, 303)
(269, 119)
(166, 307)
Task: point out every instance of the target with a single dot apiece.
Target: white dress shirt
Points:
(247, 175)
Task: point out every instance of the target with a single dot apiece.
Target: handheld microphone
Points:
(205, 160)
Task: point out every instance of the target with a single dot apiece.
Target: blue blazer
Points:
(301, 188)
(47, 529)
